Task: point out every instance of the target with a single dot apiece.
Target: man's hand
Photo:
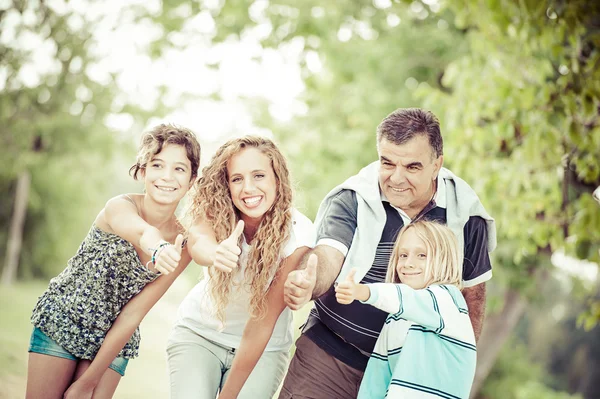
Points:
(168, 257)
(228, 250)
(299, 284)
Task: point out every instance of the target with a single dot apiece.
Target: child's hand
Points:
(228, 250)
(346, 291)
(168, 257)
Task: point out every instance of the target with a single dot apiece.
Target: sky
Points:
(245, 69)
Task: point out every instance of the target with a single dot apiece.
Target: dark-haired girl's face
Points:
(252, 184)
(168, 174)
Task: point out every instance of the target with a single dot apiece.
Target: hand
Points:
(228, 250)
(168, 257)
(79, 390)
(299, 285)
(347, 291)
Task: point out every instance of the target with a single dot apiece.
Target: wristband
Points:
(157, 251)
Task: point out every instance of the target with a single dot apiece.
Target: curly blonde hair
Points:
(213, 204)
(444, 260)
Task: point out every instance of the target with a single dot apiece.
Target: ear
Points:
(438, 163)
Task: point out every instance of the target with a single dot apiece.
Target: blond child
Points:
(427, 347)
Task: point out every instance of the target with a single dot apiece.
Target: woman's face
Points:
(168, 174)
(252, 184)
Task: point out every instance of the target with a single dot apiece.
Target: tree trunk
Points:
(496, 330)
(15, 236)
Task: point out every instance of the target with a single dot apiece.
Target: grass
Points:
(146, 376)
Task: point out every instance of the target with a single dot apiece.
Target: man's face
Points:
(408, 172)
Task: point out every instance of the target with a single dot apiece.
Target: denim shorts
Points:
(41, 343)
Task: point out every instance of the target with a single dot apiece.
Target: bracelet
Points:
(153, 271)
(157, 251)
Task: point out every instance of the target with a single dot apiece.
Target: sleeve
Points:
(339, 222)
(422, 307)
(477, 267)
(303, 231)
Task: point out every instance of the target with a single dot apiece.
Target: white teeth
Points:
(252, 200)
(170, 189)
(398, 190)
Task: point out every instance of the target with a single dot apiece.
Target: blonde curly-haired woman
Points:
(234, 331)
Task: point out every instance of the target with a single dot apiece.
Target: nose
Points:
(248, 185)
(397, 177)
(168, 175)
(410, 262)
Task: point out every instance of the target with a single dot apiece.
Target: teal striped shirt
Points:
(426, 348)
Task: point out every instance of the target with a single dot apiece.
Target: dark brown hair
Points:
(405, 123)
(153, 142)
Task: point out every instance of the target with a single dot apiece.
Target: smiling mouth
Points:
(252, 201)
(167, 189)
(398, 190)
(411, 274)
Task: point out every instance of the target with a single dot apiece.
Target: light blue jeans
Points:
(198, 368)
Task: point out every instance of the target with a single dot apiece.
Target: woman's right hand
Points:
(228, 250)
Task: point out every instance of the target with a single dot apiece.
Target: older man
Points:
(357, 226)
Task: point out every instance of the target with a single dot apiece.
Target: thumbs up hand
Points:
(228, 250)
(347, 291)
(168, 255)
(299, 285)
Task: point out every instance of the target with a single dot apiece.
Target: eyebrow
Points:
(385, 159)
(415, 164)
(161, 160)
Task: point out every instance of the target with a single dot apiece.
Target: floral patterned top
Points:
(81, 303)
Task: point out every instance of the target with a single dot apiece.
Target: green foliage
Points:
(515, 376)
(527, 133)
(53, 115)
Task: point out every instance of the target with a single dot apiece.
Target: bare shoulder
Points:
(122, 202)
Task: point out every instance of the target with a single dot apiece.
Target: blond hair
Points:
(213, 204)
(444, 261)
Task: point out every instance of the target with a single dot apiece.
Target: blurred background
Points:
(515, 84)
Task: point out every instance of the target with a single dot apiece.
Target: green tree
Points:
(526, 135)
(53, 111)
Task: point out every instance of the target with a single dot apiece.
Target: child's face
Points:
(168, 175)
(412, 260)
(252, 184)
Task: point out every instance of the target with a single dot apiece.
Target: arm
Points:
(334, 236)
(475, 298)
(258, 332)
(477, 269)
(206, 251)
(124, 326)
(122, 217)
(301, 285)
(422, 306)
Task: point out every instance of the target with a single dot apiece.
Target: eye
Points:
(156, 165)
(402, 256)
(259, 175)
(180, 169)
(423, 256)
(236, 179)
